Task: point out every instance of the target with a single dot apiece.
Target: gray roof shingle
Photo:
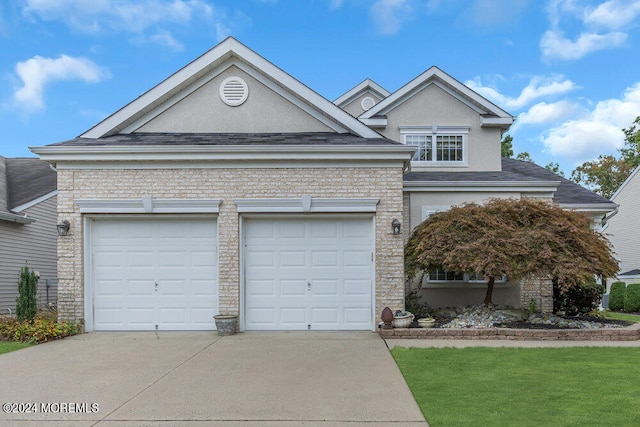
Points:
(160, 139)
(26, 179)
(514, 170)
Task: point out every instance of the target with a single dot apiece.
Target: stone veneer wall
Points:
(538, 290)
(384, 183)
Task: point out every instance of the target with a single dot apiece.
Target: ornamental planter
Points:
(226, 324)
(426, 323)
(402, 321)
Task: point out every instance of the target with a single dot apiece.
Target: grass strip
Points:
(482, 386)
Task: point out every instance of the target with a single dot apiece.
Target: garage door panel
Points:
(261, 288)
(324, 288)
(296, 287)
(283, 255)
(179, 255)
(325, 258)
(356, 287)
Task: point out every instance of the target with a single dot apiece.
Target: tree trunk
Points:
(487, 298)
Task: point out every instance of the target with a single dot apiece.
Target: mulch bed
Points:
(526, 325)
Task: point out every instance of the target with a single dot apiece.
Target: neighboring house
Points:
(623, 228)
(231, 187)
(27, 228)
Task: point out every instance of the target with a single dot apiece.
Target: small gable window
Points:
(437, 145)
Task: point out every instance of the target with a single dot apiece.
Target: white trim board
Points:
(148, 205)
(306, 204)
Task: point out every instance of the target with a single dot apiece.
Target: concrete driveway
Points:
(198, 378)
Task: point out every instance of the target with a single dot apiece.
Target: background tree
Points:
(524, 156)
(555, 168)
(518, 238)
(607, 173)
(604, 175)
(507, 146)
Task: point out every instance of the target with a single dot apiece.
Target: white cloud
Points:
(37, 72)
(613, 14)
(335, 4)
(596, 132)
(543, 113)
(150, 20)
(164, 38)
(121, 15)
(389, 15)
(555, 46)
(538, 87)
(600, 27)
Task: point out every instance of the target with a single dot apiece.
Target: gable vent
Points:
(234, 91)
(367, 103)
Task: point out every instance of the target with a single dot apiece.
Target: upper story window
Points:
(437, 145)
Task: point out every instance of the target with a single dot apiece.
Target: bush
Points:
(577, 299)
(41, 329)
(632, 298)
(414, 305)
(26, 303)
(616, 296)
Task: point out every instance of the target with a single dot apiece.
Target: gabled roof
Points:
(634, 272)
(22, 181)
(520, 174)
(626, 181)
(367, 86)
(491, 114)
(229, 52)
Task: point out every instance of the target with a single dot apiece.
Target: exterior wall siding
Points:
(33, 244)
(624, 229)
(433, 105)
(384, 183)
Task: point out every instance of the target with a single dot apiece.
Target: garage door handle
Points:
(308, 286)
(156, 286)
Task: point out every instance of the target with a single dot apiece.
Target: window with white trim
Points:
(436, 275)
(444, 145)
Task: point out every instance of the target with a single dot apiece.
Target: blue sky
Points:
(568, 69)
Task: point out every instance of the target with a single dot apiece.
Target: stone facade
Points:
(227, 184)
(540, 291)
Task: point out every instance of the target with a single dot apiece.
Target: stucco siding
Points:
(34, 244)
(264, 111)
(384, 183)
(624, 228)
(439, 200)
(355, 107)
(433, 105)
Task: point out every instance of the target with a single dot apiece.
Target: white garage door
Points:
(308, 274)
(152, 273)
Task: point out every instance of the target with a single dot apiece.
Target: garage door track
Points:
(198, 378)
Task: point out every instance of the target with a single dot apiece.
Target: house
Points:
(27, 228)
(233, 188)
(458, 160)
(623, 228)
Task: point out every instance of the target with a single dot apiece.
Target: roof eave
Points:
(20, 219)
(54, 154)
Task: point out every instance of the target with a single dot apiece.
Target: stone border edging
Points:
(630, 333)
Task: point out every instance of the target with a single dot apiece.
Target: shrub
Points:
(41, 329)
(578, 299)
(616, 296)
(414, 305)
(632, 298)
(26, 303)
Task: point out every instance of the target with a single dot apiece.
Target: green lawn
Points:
(524, 386)
(623, 316)
(6, 347)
